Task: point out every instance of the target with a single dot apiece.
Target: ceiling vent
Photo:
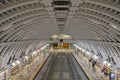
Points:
(61, 2)
(61, 19)
(61, 24)
(61, 8)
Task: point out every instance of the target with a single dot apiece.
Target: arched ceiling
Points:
(95, 24)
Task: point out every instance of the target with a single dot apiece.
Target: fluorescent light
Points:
(18, 62)
(13, 64)
(94, 21)
(95, 57)
(38, 50)
(42, 48)
(88, 52)
(26, 57)
(77, 46)
(105, 62)
(109, 64)
(83, 50)
(35, 52)
(113, 26)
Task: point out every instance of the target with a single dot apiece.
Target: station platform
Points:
(62, 64)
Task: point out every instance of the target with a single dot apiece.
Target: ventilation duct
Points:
(63, 2)
(61, 9)
(61, 19)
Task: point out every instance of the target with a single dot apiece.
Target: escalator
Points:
(61, 66)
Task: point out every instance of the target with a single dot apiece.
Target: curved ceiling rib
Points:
(26, 25)
(109, 13)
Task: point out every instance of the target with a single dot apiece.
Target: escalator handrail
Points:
(84, 71)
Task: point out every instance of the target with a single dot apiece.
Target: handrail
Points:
(84, 71)
(37, 70)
